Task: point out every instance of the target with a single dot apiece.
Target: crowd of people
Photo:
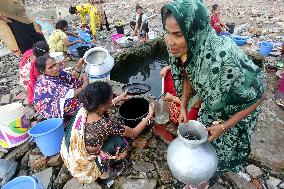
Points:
(208, 78)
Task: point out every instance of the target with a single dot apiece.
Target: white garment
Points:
(144, 18)
(70, 94)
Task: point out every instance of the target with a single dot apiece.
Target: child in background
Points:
(141, 26)
(215, 20)
(92, 11)
(102, 13)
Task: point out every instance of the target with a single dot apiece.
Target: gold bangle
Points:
(113, 102)
(223, 128)
(149, 120)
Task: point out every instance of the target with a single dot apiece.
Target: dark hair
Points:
(215, 7)
(41, 62)
(138, 7)
(132, 23)
(40, 48)
(165, 12)
(72, 10)
(61, 24)
(95, 94)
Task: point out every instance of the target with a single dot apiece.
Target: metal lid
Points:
(136, 88)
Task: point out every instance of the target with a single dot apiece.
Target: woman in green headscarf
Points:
(229, 84)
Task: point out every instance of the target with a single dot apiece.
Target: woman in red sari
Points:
(174, 101)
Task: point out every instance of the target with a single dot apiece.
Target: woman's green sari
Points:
(224, 78)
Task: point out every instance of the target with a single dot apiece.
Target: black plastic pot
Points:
(120, 29)
(81, 50)
(231, 27)
(133, 111)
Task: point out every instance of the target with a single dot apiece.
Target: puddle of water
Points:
(145, 71)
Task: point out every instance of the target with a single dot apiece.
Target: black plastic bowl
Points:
(133, 111)
(81, 50)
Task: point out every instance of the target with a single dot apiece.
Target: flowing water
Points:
(143, 71)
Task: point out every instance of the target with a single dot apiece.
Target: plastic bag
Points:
(162, 113)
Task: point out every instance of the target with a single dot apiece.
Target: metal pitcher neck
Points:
(196, 129)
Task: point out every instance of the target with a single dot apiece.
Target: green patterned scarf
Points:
(224, 78)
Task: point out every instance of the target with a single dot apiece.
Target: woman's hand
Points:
(169, 97)
(182, 115)
(80, 64)
(85, 81)
(123, 96)
(94, 40)
(215, 131)
(151, 109)
(79, 41)
(78, 69)
(164, 71)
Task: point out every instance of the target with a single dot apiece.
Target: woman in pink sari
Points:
(28, 72)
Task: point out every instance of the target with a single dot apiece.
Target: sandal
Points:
(280, 103)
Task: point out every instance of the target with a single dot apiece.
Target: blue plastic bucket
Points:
(85, 35)
(48, 135)
(23, 182)
(265, 48)
(74, 48)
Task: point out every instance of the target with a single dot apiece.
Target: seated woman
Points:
(141, 26)
(171, 96)
(27, 63)
(95, 140)
(28, 71)
(56, 90)
(216, 22)
(58, 40)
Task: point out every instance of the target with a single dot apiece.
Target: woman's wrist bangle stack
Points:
(224, 130)
(148, 119)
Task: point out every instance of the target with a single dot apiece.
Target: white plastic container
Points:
(14, 125)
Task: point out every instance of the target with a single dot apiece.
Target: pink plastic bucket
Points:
(115, 37)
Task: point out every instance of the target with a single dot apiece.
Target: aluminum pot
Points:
(192, 161)
(98, 63)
